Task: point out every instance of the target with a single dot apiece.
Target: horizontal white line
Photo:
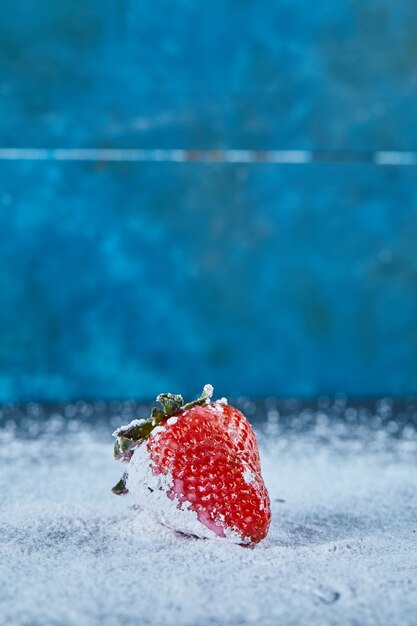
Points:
(384, 157)
(381, 157)
(156, 155)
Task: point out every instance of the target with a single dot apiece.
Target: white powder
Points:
(208, 390)
(248, 476)
(157, 430)
(222, 401)
(149, 492)
(132, 424)
(341, 548)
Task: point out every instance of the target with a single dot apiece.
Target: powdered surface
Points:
(342, 548)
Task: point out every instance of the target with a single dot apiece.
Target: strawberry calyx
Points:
(120, 488)
(130, 436)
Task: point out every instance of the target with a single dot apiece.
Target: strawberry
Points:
(196, 467)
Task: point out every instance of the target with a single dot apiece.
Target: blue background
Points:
(124, 279)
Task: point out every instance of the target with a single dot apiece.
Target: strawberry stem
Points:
(171, 403)
(204, 399)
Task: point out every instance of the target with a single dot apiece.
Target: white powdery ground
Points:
(341, 550)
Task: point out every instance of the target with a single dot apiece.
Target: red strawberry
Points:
(196, 466)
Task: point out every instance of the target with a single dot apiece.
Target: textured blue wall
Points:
(236, 73)
(125, 279)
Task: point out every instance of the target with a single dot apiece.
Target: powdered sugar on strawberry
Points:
(196, 468)
(222, 401)
(132, 424)
(248, 476)
(150, 491)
